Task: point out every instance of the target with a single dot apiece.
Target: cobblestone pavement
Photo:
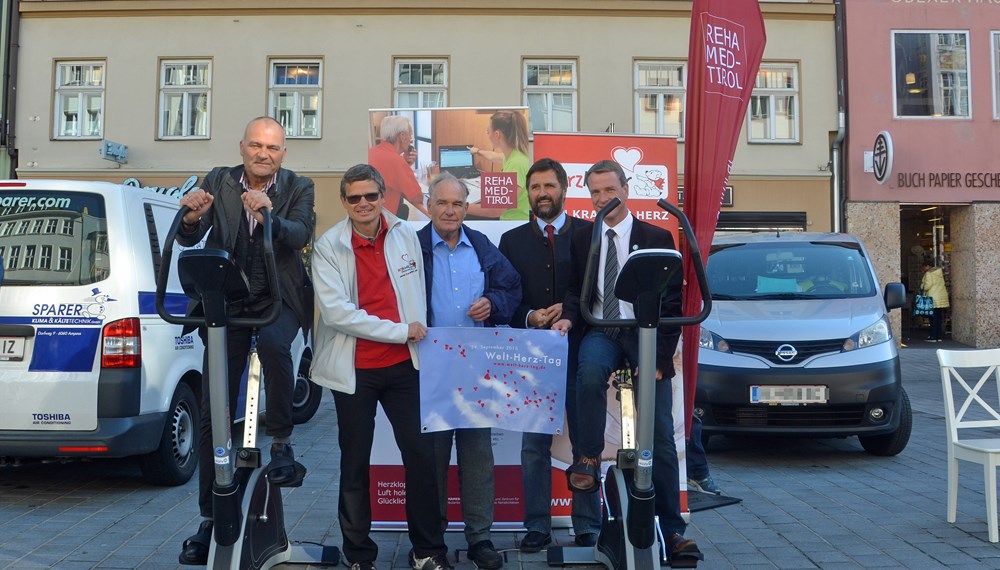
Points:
(806, 504)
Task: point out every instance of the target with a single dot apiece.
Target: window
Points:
(774, 112)
(185, 99)
(15, 253)
(67, 228)
(65, 259)
(45, 258)
(29, 257)
(8, 229)
(37, 227)
(931, 74)
(79, 100)
(50, 225)
(24, 227)
(295, 93)
(996, 75)
(659, 98)
(420, 83)
(550, 93)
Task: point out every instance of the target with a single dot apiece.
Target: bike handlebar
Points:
(270, 268)
(593, 262)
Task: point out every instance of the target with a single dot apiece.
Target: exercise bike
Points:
(629, 531)
(249, 529)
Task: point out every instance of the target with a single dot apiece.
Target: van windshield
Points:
(789, 270)
(53, 238)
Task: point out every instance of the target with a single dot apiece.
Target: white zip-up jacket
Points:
(341, 321)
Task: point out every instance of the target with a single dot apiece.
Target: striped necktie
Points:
(610, 301)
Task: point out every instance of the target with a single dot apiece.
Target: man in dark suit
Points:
(604, 350)
(229, 204)
(539, 250)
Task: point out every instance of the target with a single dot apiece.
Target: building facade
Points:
(922, 178)
(171, 84)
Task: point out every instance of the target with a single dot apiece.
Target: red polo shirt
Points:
(376, 297)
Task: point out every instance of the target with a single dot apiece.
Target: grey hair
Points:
(444, 176)
(392, 126)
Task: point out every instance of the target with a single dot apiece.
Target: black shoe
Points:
(194, 551)
(586, 539)
(283, 470)
(535, 541)
(485, 556)
(363, 566)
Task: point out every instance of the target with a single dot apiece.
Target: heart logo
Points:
(627, 157)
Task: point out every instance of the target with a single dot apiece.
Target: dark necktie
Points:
(610, 301)
(551, 233)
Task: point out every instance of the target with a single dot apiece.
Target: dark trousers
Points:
(601, 355)
(397, 388)
(936, 318)
(697, 459)
(274, 349)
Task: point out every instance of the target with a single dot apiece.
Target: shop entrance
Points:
(925, 237)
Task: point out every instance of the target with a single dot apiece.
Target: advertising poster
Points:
(488, 149)
(649, 162)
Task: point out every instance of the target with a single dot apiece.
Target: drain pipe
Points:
(836, 151)
(835, 168)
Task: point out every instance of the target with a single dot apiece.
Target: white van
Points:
(798, 342)
(87, 367)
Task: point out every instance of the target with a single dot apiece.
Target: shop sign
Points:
(948, 180)
(882, 157)
(115, 152)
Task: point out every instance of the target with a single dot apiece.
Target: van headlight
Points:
(711, 341)
(875, 333)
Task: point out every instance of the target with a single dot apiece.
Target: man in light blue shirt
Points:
(469, 284)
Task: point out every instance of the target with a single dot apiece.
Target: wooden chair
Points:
(977, 409)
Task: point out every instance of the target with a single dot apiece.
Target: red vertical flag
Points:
(727, 42)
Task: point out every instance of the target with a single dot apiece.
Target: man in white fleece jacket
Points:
(369, 279)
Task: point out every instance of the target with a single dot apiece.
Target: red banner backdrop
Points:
(649, 162)
(727, 42)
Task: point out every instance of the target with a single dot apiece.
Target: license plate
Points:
(788, 394)
(11, 348)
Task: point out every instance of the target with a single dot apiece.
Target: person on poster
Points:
(391, 157)
(539, 251)
(932, 284)
(508, 132)
(469, 284)
(369, 280)
(235, 225)
(604, 350)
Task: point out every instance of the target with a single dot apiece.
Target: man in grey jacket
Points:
(229, 205)
(370, 295)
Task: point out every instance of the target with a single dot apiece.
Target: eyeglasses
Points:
(369, 197)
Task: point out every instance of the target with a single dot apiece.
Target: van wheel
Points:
(891, 443)
(174, 462)
(306, 395)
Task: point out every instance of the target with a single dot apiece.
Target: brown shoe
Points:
(584, 475)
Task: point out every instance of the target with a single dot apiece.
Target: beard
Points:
(546, 209)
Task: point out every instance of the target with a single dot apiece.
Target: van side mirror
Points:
(895, 296)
